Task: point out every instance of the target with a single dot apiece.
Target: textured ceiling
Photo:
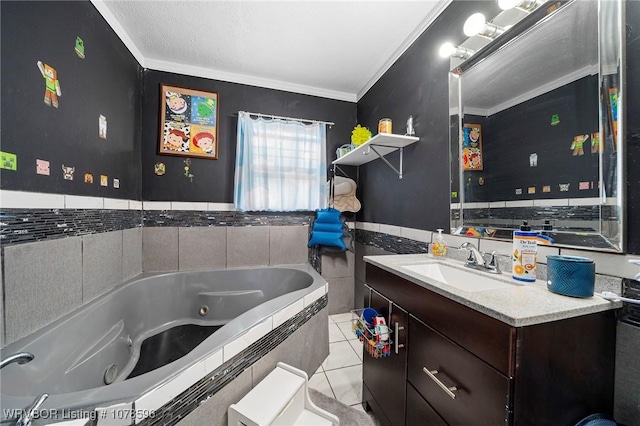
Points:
(337, 47)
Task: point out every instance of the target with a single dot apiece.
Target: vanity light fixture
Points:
(527, 5)
(448, 50)
(477, 24)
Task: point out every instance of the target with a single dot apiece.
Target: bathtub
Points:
(123, 338)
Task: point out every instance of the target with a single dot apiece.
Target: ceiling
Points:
(334, 49)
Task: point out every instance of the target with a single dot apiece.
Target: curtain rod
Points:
(329, 123)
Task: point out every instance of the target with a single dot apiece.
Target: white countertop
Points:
(518, 305)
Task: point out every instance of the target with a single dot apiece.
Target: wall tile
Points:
(202, 247)
(2, 339)
(43, 282)
(417, 234)
(214, 410)
(338, 264)
(316, 342)
(82, 202)
(159, 249)
(606, 263)
(247, 246)
(291, 352)
(101, 263)
(30, 200)
(131, 253)
(391, 230)
(456, 240)
(288, 244)
(627, 377)
(341, 294)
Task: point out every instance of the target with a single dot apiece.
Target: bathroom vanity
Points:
(501, 353)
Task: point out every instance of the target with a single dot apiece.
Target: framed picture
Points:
(472, 147)
(188, 122)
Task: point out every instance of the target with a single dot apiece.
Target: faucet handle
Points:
(493, 262)
(31, 412)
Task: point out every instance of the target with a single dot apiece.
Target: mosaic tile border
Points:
(28, 225)
(155, 218)
(178, 408)
(631, 312)
(391, 243)
(586, 213)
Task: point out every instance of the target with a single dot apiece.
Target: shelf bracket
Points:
(398, 172)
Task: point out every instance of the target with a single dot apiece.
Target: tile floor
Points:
(340, 375)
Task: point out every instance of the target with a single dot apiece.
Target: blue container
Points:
(571, 275)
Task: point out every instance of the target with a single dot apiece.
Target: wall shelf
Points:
(377, 147)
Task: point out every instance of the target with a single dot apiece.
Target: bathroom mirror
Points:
(537, 128)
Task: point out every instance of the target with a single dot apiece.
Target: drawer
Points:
(481, 396)
(419, 412)
(486, 337)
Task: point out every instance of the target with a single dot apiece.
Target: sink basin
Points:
(462, 279)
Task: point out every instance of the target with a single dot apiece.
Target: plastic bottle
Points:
(525, 248)
(439, 248)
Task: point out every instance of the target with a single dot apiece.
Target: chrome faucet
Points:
(20, 358)
(29, 413)
(475, 260)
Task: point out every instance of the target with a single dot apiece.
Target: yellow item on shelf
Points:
(360, 135)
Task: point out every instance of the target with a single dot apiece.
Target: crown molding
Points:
(119, 30)
(426, 22)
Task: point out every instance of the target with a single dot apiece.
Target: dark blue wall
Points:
(106, 82)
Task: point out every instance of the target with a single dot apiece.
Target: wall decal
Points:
(88, 178)
(578, 144)
(188, 122)
(454, 194)
(159, 169)
(583, 185)
(43, 167)
(533, 160)
(102, 126)
(116, 183)
(481, 180)
(564, 187)
(546, 188)
(531, 190)
(187, 168)
(52, 85)
(518, 191)
(67, 172)
(595, 142)
(472, 147)
(8, 161)
(555, 119)
(79, 48)
(104, 180)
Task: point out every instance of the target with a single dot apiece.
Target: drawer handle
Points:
(398, 346)
(448, 390)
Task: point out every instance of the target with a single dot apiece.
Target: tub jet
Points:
(110, 374)
(204, 309)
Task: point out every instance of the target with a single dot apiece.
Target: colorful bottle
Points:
(525, 248)
(439, 248)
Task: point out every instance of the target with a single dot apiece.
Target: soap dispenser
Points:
(524, 256)
(439, 248)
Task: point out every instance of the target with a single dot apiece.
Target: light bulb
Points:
(446, 50)
(474, 24)
(507, 4)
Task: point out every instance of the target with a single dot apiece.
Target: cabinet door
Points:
(386, 377)
(463, 389)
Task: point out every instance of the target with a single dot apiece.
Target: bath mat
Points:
(348, 416)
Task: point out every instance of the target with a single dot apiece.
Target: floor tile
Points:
(335, 335)
(341, 317)
(357, 346)
(346, 383)
(341, 354)
(347, 329)
(319, 370)
(320, 383)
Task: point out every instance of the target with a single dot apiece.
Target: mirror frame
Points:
(538, 17)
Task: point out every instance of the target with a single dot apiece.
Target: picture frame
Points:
(188, 122)
(472, 159)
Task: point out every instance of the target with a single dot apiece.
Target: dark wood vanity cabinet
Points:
(386, 378)
(466, 368)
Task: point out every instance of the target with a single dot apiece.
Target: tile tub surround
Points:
(205, 391)
(210, 247)
(46, 280)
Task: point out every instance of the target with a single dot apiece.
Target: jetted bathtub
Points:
(145, 332)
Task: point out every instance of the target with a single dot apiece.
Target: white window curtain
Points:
(280, 165)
